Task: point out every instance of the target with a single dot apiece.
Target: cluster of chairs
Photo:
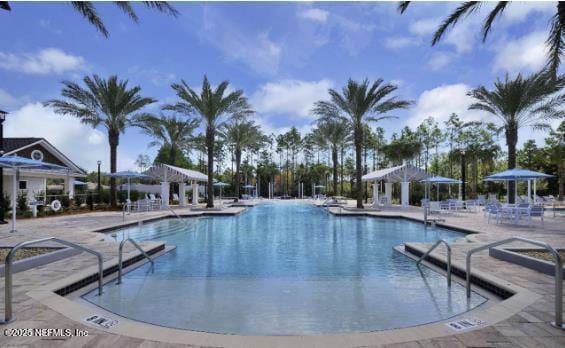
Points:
(453, 205)
(150, 202)
(514, 213)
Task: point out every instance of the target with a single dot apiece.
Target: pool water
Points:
(285, 269)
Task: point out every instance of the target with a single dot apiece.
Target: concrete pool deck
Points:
(527, 326)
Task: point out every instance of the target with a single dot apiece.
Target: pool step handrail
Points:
(120, 254)
(558, 272)
(8, 316)
(448, 247)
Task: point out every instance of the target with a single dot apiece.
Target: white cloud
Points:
(527, 53)
(81, 143)
(424, 27)
(46, 61)
(293, 98)
(156, 77)
(441, 102)
(398, 42)
(439, 60)
(8, 102)
(314, 14)
(518, 11)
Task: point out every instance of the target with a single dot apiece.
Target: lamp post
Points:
(463, 166)
(2, 119)
(99, 192)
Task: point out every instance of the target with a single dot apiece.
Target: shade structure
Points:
(169, 173)
(403, 174)
(518, 174)
(440, 180)
(17, 162)
(129, 175)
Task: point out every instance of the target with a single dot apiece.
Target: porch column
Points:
(165, 187)
(194, 193)
(530, 191)
(70, 186)
(375, 194)
(535, 193)
(404, 193)
(182, 194)
(388, 193)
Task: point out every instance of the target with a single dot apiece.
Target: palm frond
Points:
(88, 11)
(403, 6)
(4, 5)
(126, 8)
(497, 11)
(463, 10)
(555, 40)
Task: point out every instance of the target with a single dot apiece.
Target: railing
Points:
(173, 212)
(423, 257)
(558, 272)
(120, 256)
(8, 316)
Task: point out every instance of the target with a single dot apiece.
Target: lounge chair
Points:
(154, 202)
(434, 208)
(494, 209)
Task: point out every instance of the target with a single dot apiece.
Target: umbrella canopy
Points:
(17, 162)
(221, 184)
(441, 180)
(129, 175)
(517, 174)
(319, 186)
(248, 186)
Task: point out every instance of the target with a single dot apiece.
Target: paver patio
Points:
(529, 328)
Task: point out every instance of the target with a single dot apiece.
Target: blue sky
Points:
(283, 55)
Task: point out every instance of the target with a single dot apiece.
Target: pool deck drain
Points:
(528, 327)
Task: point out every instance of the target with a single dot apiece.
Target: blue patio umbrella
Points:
(129, 175)
(517, 174)
(18, 162)
(79, 183)
(221, 185)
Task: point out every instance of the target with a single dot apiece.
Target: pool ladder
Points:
(558, 323)
(120, 259)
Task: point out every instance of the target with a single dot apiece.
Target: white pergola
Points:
(167, 173)
(404, 174)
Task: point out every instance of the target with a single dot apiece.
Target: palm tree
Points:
(109, 103)
(336, 134)
(524, 101)
(213, 107)
(358, 104)
(555, 39)
(169, 132)
(242, 135)
(89, 12)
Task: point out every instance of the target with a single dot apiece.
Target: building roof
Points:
(405, 172)
(11, 144)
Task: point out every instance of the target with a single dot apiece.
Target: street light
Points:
(99, 193)
(463, 174)
(3, 115)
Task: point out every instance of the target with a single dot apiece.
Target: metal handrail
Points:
(172, 211)
(121, 252)
(558, 272)
(436, 244)
(8, 316)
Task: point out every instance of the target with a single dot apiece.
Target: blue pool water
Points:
(285, 269)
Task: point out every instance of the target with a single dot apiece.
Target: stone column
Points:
(165, 187)
(70, 186)
(182, 194)
(404, 193)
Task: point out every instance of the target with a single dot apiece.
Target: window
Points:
(23, 185)
(37, 155)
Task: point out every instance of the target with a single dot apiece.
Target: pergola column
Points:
(388, 192)
(165, 187)
(404, 193)
(182, 194)
(375, 194)
(194, 193)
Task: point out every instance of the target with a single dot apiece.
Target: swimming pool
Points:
(285, 269)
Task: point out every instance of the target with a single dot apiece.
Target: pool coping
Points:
(512, 255)
(491, 314)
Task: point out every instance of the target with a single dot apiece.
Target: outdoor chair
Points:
(536, 211)
(154, 202)
(493, 210)
(472, 205)
(176, 197)
(482, 200)
(434, 208)
(444, 207)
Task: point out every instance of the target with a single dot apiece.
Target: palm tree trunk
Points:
(237, 174)
(341, 181)
(114, 140)
(210, 147)
(511, 140)
(358, 165)
(334, 160)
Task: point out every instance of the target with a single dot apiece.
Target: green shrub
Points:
(22, 202)
(65, 201)
(78, 201)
